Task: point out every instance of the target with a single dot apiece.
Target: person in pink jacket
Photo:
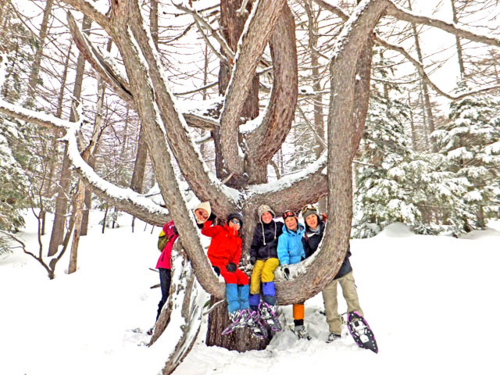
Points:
(169, 235)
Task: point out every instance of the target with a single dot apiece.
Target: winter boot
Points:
(236, 322)
(301, 332)
(269, 315)
(332, 337)
(254, 300)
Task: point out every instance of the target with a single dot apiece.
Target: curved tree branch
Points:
(345, 121)
(119, 84)
(188, 157)
(269, 137)
(155, 131)
(259, 27)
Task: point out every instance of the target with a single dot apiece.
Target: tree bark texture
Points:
(61, 200)
(166, 132)
(35, 68)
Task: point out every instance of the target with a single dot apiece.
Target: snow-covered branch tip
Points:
(452, 28)
(33, 117)
(421, 71)
(126, 199)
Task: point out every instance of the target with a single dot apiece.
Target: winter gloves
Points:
(216, 270)
(253, 260)
(231, 267)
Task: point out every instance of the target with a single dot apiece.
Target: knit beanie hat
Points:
(309, 210)
(263, 209)
(235, 216)
(204, 206)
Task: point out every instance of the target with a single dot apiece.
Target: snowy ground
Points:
(431, 301)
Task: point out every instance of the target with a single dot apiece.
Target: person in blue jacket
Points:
(291, 251)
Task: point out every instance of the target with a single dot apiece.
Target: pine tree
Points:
(470, 144)
(15, 156)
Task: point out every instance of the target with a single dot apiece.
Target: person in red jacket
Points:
(224, 254)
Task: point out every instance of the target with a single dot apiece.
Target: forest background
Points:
(428, 155)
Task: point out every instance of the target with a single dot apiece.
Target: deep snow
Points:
(431, 301)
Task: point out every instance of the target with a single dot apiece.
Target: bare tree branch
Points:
(423, 74)
(125, 199)
(452, 28)
(94, 57)
(87, 8)
(200, 20)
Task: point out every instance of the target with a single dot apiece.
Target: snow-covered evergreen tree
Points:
(470, 144)
(14, 153)
(381, 196)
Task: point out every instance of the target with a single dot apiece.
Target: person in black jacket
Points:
(264, 258)
(315, 228)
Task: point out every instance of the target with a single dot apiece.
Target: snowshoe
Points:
(237, 321)
(269, 315)
(256, 326)
(361, 332)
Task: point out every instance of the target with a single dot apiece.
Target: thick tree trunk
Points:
(458, 43)
(78, 214)
(425, 89)
(140, 164)
(232, 25)
(35, 68)
(61, 200)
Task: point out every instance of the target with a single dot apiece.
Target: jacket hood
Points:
(263, 209)
(205, 206)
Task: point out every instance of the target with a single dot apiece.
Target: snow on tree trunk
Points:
(183, 310)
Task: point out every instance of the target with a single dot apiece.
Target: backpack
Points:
(166, 234)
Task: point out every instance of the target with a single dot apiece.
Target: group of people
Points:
(274, 244)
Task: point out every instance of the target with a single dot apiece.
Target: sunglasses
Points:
(236, 221)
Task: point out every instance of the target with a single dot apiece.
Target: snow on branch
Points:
(278, 187)
(125, 199)
(332, 8)
(425, 77)
(452, 28)
(105, 66)
(88, 8)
